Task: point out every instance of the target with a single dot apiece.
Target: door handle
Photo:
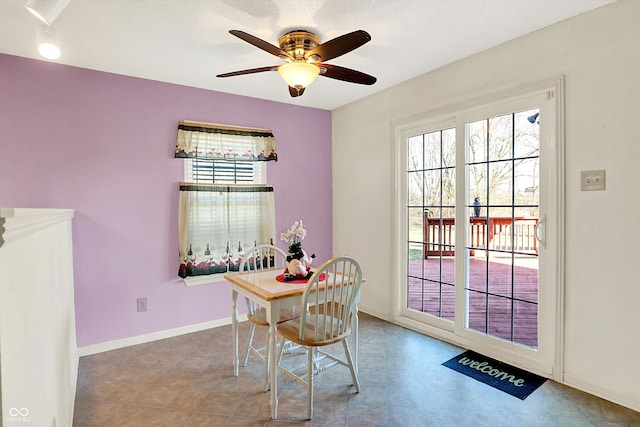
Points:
(540, 231)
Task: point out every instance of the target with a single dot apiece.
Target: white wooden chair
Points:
(331, 299)
(264, 256)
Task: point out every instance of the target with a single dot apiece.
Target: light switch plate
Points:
(592, 180)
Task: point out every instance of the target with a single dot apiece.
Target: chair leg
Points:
(280, 347)
(310, 354)
(267, 386)
(252, 330)
(352, 368)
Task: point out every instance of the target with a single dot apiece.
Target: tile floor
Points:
(188, 381)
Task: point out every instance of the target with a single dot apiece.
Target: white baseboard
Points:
(375, 313)
(614, 396)
(168, 333)
(611, 395)
(154, 336)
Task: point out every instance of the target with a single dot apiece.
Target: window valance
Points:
(211, 141)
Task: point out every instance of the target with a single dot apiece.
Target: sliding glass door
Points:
(477, 202)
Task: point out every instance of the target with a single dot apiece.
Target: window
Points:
(224, 171)
(225, 204)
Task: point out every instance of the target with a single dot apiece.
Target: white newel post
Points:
(38, 351)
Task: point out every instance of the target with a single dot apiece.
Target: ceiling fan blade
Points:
(295, 92)
(339, 46)
(250, 71)
(346, 74)
(261, 44)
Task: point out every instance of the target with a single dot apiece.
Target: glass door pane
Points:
(501, 248)
(431, 221)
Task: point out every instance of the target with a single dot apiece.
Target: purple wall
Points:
(102, 144)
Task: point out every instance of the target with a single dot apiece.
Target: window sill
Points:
(205, 280)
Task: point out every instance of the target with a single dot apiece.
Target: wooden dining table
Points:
(262, 287)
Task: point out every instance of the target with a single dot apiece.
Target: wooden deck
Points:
(493, 233)
(501, 306)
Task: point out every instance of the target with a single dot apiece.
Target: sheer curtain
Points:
(217, 222)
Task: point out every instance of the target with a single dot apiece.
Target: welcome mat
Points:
(512, 380)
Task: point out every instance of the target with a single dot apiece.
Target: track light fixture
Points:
(48, 47)
(46, 11)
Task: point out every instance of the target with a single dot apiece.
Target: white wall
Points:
(39, 361)
(598, 53)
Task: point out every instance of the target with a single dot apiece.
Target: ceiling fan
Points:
(305, 58)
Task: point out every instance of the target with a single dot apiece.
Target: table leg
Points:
(234, 329)
(272, 314)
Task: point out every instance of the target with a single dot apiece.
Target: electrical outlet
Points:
(592, 180)
(142, 304)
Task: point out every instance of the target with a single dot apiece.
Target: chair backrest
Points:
(263, 256)
(259, 257)
(333, 291)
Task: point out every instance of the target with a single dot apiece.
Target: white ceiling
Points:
(187, 41)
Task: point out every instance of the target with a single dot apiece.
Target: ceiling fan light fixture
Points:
(298, 74)
(46, 10)
(306, 58)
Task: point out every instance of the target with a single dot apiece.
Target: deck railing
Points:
(493, 233)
